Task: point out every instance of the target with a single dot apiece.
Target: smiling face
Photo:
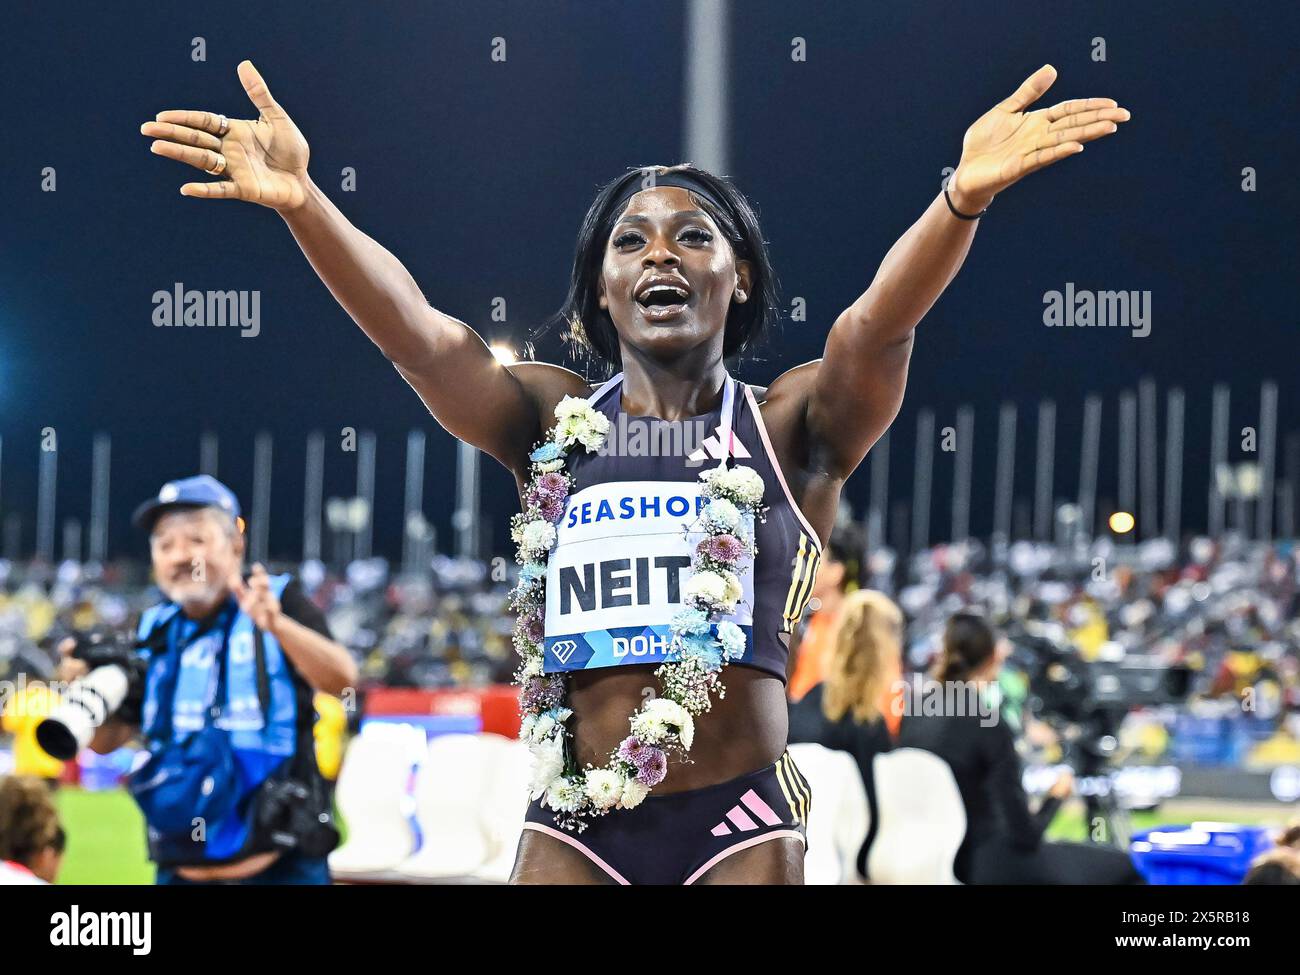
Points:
(669, 276)
(194, 551)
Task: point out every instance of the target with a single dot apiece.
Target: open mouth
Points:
(660, 302)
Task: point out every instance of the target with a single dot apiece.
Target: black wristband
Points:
(957, 213)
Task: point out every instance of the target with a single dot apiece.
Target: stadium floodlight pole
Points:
(13, 535)
(1089, 458)
(1128, 424)
(413, 501)
(1148, 474)
(922, 476)
(261, 513)
(961, 474)
(366, 492)
(208, 453)
(313, 494)
(878, 506)
(1005, 476)
(1267, 459)
(466, 518)
(1043, 470)
(1289, 487)
(101, 460)
(707, 131)
(1174, 466)
(1218, 458)
(72, 539)
(46, 490)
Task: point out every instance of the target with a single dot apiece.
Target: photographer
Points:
(226, 670)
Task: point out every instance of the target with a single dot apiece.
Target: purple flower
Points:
(532, 626)
(722, 548)
(630, 750)
(540, 693)
(552, 509)
(553, 484)
(651, 765)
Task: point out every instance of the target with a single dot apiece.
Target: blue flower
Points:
(547, 451)
(732, 639)
(690, 622)
(532, 572)
(703, 647)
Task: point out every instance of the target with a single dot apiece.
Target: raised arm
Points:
(264, 161)
(847, 400)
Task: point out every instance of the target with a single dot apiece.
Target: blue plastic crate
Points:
(1199, 853)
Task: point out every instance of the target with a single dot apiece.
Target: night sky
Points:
(477, 173)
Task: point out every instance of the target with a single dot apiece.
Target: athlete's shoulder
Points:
(790, 389)
(547, 384)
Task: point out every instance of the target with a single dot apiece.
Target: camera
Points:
(114, 687)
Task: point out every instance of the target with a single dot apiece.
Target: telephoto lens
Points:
(88, 703)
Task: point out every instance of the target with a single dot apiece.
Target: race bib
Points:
(618, 571)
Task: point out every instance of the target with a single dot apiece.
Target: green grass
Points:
(1069, 823)
(106, 842)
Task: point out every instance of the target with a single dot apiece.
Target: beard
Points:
(192, 594)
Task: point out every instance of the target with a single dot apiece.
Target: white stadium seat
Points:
(921, 819)
(372, 799)
(839, 817)
(505, 802)
(450, 789)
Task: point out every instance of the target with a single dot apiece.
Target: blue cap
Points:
(201, 491)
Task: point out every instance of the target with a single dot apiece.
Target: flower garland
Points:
(702, 641)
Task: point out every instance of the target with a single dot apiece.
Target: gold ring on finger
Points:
(218, 167)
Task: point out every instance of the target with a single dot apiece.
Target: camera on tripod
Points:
(114, 687)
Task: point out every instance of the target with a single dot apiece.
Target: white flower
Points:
(532, 668)
(549, 466)
(709, 586)
(572, 406)
(734, 592)
(721, 515)
(594, 435)
(566, 795)
(741, 484)
(548, 765)
(604, 788)
(633, 793)
(538, 535)
(669, 715)
(526, 727)
(578, 422)
(650, 728)
(732, 639)
(542, 728)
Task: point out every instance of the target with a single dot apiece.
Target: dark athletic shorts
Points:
(675, 839)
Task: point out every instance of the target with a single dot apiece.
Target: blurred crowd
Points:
(443, 628)
(1227, 609)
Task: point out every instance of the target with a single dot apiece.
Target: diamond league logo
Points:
(563, 650)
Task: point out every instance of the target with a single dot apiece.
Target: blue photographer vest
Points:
(182, 680)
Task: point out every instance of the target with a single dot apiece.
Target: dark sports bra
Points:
(622, 555)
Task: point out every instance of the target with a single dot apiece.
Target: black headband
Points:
(682, 180)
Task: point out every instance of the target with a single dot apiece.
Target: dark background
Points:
(477, 174)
